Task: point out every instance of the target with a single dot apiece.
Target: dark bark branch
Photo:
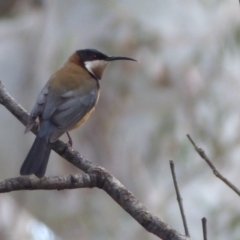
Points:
(95, 176)
(46, 183)
(215, 171)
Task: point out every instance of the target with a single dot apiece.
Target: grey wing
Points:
(37, 109)
(71, 111)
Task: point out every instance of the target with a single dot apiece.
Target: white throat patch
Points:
(96, 66)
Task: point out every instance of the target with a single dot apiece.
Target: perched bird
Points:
(65, 102)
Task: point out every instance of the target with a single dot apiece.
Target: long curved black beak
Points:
(109, 59)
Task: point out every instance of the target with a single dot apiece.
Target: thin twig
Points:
(179, 198)
(215, 171)
(204, 226)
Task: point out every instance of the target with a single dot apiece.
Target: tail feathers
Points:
(41, 171)
(37, 158)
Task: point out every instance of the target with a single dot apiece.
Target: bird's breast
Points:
(87, 115)
(84, 119)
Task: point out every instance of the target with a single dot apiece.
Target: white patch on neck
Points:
(94, 65)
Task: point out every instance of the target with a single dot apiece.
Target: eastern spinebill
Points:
(65, 102)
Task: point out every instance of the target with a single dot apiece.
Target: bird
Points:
(65, 103)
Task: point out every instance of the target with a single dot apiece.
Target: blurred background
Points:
(188, 81)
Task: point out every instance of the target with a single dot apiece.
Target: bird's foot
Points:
(70, 142)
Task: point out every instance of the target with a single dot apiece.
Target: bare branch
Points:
(179, 198)
(47, 183)
(204, 225)
(215, 171)
(99, 177)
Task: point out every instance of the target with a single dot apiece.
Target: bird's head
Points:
(95, 62)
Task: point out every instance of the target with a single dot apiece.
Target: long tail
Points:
(37, 158)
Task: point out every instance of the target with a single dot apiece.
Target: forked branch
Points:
(93, 176)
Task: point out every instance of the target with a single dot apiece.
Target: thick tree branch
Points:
(95, 176)
(47, 183)
(203, 155)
